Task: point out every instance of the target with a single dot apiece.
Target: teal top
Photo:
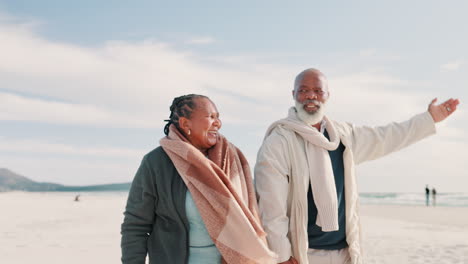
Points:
(202, 249)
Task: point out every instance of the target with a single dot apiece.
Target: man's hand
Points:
(291, 260)
(443, 110)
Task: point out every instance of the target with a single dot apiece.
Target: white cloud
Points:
(20, 108)
(370, 98)
(368, 52)
(28, 146)
(139, 79)
(451, 66)
(201, 40)
(134, 83)
(131, 84)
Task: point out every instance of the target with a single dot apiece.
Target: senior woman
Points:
(192, 199)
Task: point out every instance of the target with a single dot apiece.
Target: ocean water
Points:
(442, 199)
(384, 198)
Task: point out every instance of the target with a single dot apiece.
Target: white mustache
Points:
(312, 101)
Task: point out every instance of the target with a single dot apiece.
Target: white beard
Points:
(310, 118)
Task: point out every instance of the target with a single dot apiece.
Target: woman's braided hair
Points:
(182, 106)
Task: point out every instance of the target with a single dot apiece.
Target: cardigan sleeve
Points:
(139, 216)
(370, 143)
(272, 185)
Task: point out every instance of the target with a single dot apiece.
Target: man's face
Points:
(311, 89)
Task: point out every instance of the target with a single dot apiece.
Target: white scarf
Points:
(320, 167)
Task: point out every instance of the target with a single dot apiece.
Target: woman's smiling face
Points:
(203, 124)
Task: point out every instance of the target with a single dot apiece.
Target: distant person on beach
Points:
(305, 179)
(427, 195)
(434, 193)
(192, 199)
(77, 198)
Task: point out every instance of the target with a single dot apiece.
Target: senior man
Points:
(305, 177)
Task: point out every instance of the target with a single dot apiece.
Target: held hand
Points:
(443, 110)
(291, 260)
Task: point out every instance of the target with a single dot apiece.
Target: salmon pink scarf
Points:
(222, 188)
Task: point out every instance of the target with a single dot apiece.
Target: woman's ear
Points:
(185, 124)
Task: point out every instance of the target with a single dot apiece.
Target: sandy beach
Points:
(415, 234)
(52, 228)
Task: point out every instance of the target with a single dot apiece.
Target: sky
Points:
(85, 85)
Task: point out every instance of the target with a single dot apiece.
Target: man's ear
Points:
(328, 95)
(185, 124)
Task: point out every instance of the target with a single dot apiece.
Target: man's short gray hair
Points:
(300, 76)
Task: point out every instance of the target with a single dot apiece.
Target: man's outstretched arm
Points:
(374, 142)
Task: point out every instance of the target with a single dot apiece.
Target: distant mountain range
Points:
(10, 181)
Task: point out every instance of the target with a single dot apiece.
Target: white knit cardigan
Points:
(278, 164)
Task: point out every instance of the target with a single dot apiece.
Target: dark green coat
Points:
(155, 222)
